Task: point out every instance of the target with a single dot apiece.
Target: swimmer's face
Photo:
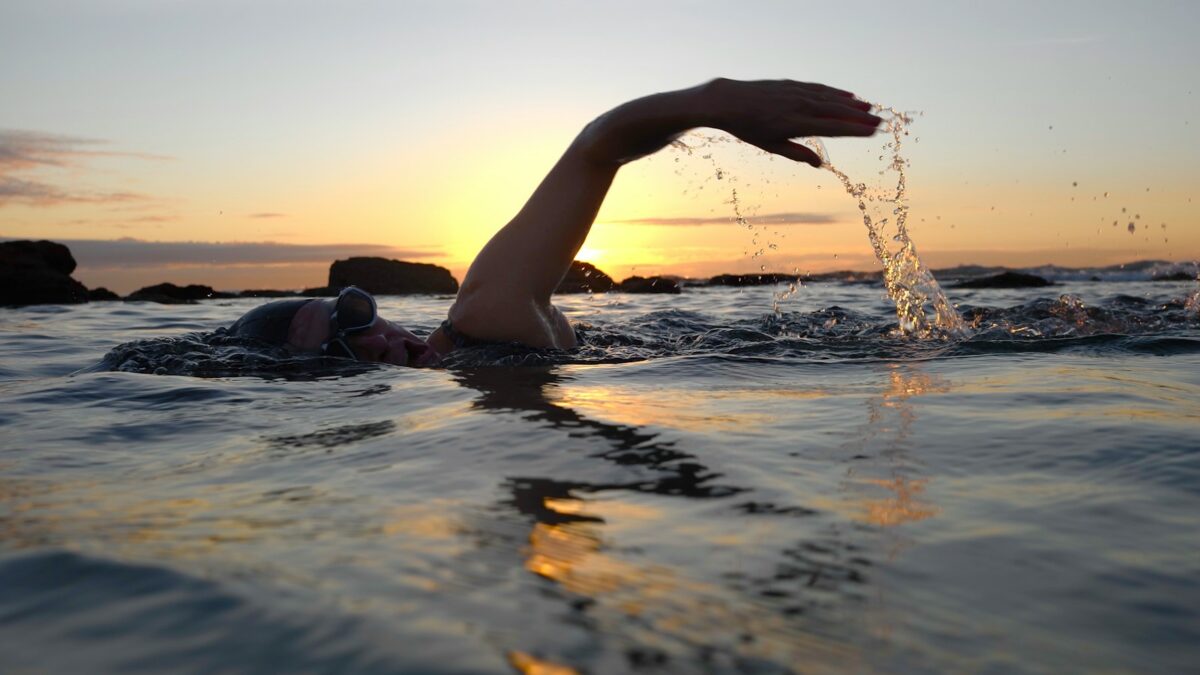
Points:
(383, 342)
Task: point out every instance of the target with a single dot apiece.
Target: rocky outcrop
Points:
(637, 284)
(765, 279)
(585, 278)
(37, 273)
(101, 294)
(391, 277)
(170, 294)
(320, 292)
(1174, 276)
(1007, 280)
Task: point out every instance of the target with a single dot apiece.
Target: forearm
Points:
(645, 125)
(530, 255)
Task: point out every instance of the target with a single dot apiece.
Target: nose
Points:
(370, 347)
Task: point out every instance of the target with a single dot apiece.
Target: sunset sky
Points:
(215, 133)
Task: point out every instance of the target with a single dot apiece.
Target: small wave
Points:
(1122, 323)
(67, 612)
(218, 354)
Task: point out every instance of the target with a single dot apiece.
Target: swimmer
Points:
(506, 294)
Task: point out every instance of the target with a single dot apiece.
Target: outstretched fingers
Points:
(807, 125)
(838, 111)
(794, 151)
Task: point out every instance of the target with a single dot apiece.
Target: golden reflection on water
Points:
(529, 665)
(572, 554)
(697, 411)
(67, 513)
(890, 419)
(904, 506)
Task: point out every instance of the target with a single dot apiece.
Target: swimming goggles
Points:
(353, 312)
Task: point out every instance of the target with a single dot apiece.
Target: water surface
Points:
(704, 486)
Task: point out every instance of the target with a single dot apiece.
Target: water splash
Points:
(1193, 302)
(921, 307)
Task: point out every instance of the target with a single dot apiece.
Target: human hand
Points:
(769, 113)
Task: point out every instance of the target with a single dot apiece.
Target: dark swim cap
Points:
(270, 322)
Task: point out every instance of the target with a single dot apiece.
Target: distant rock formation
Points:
(846, 277)
(1175, 276)
(320, 292)
(585, 278)
(101, 294)
(38, 272)
(637, 284)
(170, 294)
(1006, 280)
(764, 279)
(391, 277)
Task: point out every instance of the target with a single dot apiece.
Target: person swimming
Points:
(348, 326)
(505, 297)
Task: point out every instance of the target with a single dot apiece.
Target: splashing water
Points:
(921, 307)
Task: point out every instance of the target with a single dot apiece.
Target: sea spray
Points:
(921, 307)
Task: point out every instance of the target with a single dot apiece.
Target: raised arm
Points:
(511, 280)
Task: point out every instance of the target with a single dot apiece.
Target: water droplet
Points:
(1075, 184)
(1131, 227)
(1106, 195)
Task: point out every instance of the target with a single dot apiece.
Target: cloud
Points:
(35, 193)
(129, 252)
(792, 218)
(26, 152)
(267, 214)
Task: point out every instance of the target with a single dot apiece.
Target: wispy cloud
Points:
(130, 252)
(23, 153)
(791, 218)
(267, 214)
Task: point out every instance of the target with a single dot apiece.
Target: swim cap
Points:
(269, 322)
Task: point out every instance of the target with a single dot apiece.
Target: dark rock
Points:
(101, 294)
(391, 277)
(764, 279)
(38, 272)
(1007, 280)
(1175, 276)
(170, 294)
(846, 277)
(262, 293)
(649, 285)
(320, 292)
(585, 278)
(49, 254)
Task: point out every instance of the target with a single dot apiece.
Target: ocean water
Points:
(704, 486)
